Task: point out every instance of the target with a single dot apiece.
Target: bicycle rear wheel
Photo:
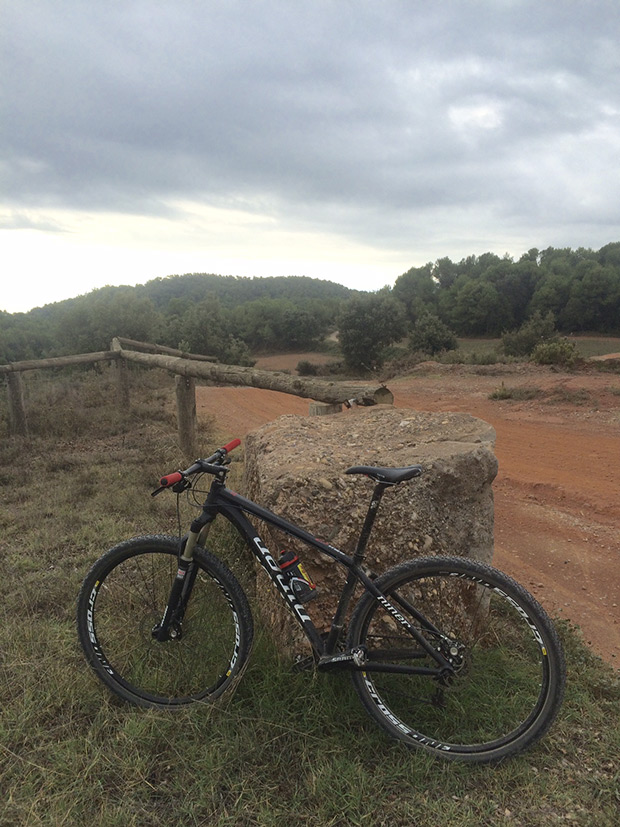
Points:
(123, 598)
(509, 667)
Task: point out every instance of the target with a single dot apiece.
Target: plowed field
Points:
(557, 493)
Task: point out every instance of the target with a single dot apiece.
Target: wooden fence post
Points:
(122, 376)
(186, 414)
(18, 425)
(122, 383)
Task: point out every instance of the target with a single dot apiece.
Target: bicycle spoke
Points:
(504, 687)
(118, 616)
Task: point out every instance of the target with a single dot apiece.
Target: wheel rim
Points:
(501, 666)
(126, 604)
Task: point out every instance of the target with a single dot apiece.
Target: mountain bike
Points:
(446, 654)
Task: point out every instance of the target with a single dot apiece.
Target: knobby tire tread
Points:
(160, 544)
(401, 575)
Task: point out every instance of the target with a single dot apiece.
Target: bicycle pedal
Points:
(303, 663)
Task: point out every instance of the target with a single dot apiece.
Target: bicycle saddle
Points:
(387, 475)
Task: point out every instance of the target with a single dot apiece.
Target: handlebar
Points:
(235, 443)
(211, 465)
(171, 479)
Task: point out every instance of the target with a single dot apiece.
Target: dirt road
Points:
(557, 493)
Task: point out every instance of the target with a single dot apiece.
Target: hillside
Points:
(226, 316)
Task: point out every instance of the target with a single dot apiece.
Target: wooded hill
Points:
(224, 316)
(231, 317)
(489, 295)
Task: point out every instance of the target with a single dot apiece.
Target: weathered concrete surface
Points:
(295, 467)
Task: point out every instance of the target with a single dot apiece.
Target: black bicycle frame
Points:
(234, 507)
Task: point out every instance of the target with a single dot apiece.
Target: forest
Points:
(233, 318)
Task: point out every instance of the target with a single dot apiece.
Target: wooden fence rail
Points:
(147, 347)
(323, 390)
(187, 369)
(59, 361)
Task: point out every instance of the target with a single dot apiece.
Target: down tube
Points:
(263, 555)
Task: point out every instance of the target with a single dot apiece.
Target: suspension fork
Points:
(185, 578)
(193, 539)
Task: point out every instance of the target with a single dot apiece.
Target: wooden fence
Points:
(328, 396)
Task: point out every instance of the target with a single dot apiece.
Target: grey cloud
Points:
(370, 113)
(16, 220)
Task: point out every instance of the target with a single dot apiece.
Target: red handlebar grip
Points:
(170, 479)
(231, 445)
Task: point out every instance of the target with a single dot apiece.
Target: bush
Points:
(483, 357)
(430, 335)
(560, 352)
(606, 365)
(535, 331)
(474, 357)
(521, 394)
(306, 368)
(235, 352)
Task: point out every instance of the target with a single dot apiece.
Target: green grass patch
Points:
(286, 748)
(559, 396)
(480, 346)
(596, 345)
(586, 345)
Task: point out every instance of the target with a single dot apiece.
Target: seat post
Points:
(377, 494)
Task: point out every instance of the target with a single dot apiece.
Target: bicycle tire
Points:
(123, 598)
(509, 670)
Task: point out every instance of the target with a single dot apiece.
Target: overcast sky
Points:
(337, 139)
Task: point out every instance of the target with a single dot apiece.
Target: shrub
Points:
(430, 335)
(472, 357)
(606, 365)
(483, 357)
(535, 331)
(306, 368)
(501, 393)
(520, 394)
(235, 352)
(559, 352)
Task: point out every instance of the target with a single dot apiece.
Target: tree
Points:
(417, 290)
(594, 300)
(430, 335)
(515, 283)
(532, 333)
(553, 291)
(445, 272)
(90, 322)
(367, 325)
(278, 324)
(479, 309)
(203, 327)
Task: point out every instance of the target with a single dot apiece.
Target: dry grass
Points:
(287, 748)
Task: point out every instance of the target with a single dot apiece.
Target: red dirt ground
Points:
(557, 493)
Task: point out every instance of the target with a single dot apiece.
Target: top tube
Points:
(226, 500)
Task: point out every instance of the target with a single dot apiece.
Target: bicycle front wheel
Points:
(509, 671)
(122, 601)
